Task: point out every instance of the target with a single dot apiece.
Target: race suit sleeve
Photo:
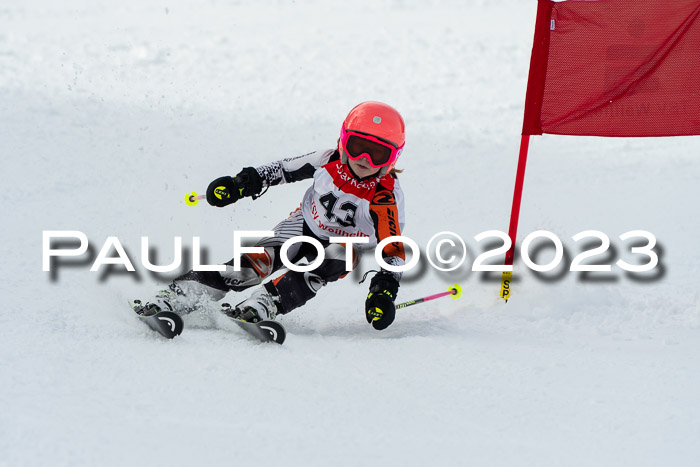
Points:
(293, 169)
(386, 210)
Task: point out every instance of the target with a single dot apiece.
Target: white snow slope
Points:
(112, 111)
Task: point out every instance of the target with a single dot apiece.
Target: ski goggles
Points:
(379, 153)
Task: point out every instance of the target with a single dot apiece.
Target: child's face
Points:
(361, 167)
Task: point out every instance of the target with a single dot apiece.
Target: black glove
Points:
(379, 306)
(227, 190)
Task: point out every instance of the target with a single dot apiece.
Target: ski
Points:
(165, 323)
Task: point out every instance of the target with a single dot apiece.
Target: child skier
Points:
(355, 193)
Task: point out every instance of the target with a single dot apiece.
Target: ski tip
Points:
(277, 332)
(173, 321)
(457, 291)
(265, 330)
(167, 323)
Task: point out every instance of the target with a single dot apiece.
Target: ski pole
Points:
(455, 291)
(193, 198)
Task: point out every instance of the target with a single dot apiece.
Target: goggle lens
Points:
(380, 154)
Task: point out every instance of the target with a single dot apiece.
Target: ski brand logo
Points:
(170, 321)
(383, 197)
(393, 229)
(221, 192)
(273, 332)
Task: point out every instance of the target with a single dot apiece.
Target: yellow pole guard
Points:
(191, 199)
(505, 284)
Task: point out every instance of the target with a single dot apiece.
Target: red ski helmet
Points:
(378, 120)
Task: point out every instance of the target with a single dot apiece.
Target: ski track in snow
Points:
(112, 112)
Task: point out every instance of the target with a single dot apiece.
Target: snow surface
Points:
(112, 111)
